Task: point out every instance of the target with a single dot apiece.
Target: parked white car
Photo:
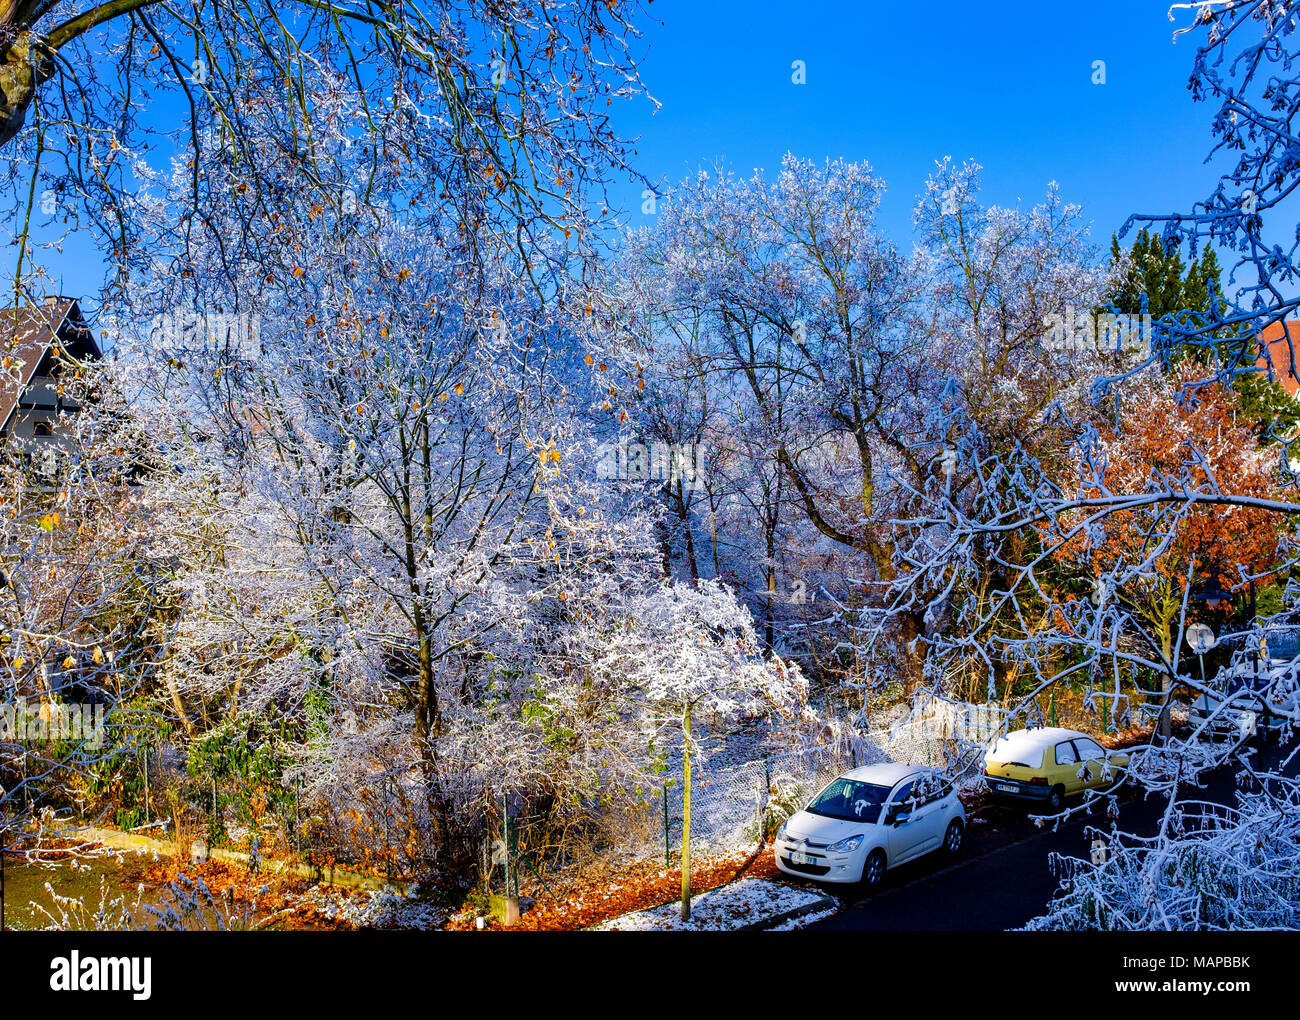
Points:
(869, 820)
(1257, 693)
(1246, 712)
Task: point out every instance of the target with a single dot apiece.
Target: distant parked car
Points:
(1244, 711)
(1046, 765)
(869, 820)
(1255, 694)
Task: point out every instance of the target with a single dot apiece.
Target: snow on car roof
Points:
(1027, 746)
(884, 774)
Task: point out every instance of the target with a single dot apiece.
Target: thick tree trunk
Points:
(20, 73)
(912, 626)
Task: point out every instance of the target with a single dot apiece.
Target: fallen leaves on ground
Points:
(598, 894)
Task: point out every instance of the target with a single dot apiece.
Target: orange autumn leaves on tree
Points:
(1182, 445)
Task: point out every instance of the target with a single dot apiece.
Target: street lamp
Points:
(1212, 593)
(1200, 639)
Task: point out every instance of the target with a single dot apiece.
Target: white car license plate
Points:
(1007, 787)
(800, 858)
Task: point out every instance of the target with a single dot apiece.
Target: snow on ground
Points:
(386, 908)
(795, 923)
(727, 908)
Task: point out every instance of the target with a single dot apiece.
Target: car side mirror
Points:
(898, 817)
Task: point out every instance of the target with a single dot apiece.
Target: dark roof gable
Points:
(28, 334)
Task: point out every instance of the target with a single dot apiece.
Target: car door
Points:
(1094, 755)
(1066, 770)
(905, 837)
(934, 813)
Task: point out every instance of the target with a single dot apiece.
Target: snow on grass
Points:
(727, 908)
(385, 908)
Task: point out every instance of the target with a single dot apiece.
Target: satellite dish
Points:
(1199, 638)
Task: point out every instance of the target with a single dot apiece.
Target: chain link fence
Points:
(732, 806)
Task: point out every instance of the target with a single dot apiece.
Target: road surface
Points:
(1002, 878)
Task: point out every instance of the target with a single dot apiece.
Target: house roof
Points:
(27, 334)
(1281, 353)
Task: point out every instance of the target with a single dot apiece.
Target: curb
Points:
(821, 903)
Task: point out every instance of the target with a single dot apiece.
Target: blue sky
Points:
(1007, 84)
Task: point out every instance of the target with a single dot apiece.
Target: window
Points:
(1089, 750)
(932, 787)
(850, 801)
(904, 792)
(1283, 644)
(1065, 753)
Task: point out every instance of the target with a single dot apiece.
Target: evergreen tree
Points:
(1158, 273)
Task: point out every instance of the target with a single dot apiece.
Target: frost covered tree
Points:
(1120, 497)
(497, 112)
(815, 358)
(78, 601)
(679, 655)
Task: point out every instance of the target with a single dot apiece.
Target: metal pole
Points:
(668, 861)
(505, 838)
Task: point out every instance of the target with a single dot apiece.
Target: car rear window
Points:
(1017, 749)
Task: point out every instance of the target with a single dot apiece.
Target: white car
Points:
(1254, 693)
(869, 820)
(1245, 712)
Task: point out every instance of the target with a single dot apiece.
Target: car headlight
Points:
(780, 831)
(848, 845)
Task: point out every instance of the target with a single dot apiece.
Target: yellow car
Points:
(1049, 764)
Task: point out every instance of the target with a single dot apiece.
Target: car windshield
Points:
(850, 801)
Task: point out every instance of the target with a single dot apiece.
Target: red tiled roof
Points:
(1281, 353)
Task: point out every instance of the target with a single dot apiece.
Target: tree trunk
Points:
(21, 72)
(1167, 647)
(684, 515)
(912, 627)
(686, 814)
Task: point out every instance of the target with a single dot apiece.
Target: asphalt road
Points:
(1001, 879)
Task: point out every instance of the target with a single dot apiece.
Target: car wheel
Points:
(952, 839)
(1056, 800)
(873, 869)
